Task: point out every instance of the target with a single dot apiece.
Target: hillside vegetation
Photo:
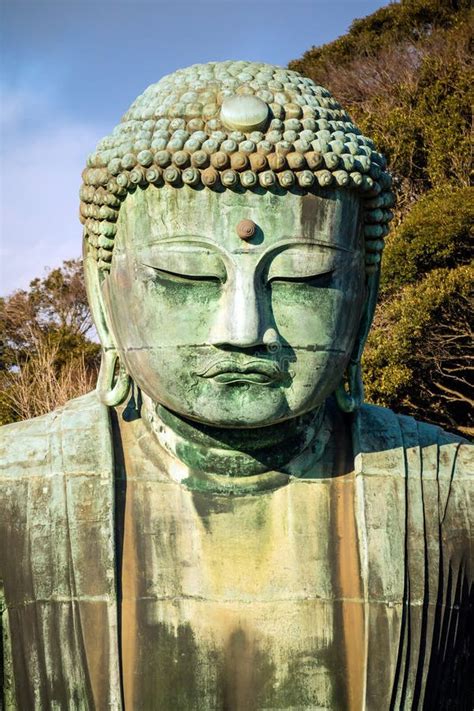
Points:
(404, 74)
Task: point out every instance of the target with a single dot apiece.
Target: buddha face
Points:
(236, 331)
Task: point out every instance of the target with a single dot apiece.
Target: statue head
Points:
(233, 227)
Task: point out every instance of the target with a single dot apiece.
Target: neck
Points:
(231, 460)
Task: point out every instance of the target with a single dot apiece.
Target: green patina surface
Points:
(224, 524)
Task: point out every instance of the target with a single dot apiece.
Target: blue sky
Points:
(69, 69)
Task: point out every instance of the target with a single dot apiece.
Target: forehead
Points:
(150, 215)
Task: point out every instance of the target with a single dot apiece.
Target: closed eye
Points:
(320, 280)
(187, 278)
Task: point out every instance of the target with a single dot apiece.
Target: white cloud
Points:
(40, 179)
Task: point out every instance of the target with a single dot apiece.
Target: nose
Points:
(239, 320)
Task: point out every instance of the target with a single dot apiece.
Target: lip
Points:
(230, 377)
(259, 372)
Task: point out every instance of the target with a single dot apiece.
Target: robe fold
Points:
(392, 540)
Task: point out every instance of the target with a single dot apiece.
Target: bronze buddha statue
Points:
(224, 524)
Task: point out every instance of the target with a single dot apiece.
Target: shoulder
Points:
(382, 437)
(434, 467)
(378, 425)
(69, 437)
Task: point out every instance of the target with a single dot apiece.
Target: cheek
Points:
(148, 314)
(316, 375)
(320, 318)
(165, 374)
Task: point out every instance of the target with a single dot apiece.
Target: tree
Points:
(405, 75)
(436, 233)
(420, 355)
(48, 355)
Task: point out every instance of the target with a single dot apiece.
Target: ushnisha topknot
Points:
(234, 125)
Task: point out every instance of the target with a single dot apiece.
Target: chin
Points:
(240, 406)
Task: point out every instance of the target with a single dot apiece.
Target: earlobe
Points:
(112, 387)
(350, 391)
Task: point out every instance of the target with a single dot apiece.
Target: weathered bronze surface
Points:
(224, 524)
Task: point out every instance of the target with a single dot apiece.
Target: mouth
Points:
(228, 372)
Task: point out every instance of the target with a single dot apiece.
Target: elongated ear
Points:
(113, 383)
(94, 278)
(372, 285)
(350, 391)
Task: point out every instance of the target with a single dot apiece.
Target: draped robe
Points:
(350, 592)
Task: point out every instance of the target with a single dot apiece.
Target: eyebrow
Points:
(285, 241)
(289, 242)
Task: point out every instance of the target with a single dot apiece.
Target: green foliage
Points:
(420, 353)
(436, 233)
